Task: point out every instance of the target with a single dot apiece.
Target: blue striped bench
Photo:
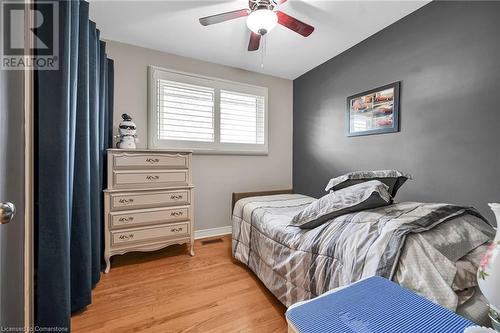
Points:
(373, 305)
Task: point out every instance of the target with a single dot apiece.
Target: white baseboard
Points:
(205, 233)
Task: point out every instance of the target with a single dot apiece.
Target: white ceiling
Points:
(173, 27)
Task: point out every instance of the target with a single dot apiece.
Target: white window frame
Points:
(216, 147)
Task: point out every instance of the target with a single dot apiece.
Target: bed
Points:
(432, 249)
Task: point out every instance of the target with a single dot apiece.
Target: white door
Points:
(12, 193)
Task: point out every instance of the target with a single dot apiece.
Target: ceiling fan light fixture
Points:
(262, 21)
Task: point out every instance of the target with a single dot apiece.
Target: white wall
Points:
(215, 176)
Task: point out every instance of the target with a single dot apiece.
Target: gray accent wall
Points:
(447, 57)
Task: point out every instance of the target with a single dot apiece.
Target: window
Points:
(185, 112)
(206, 115)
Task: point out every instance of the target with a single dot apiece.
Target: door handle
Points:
(7, 212)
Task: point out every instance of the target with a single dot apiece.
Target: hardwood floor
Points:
(169, 291)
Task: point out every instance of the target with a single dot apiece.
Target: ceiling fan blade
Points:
(254, 43)
(224, 17)
(293, 24)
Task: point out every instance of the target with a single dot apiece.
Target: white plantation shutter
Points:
(241, 118)
(206, 115)
(185, 112)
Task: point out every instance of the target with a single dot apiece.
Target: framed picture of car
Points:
(374, 111)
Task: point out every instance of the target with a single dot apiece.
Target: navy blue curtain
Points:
(74, 108)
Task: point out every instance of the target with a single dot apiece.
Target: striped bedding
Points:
(394, 242)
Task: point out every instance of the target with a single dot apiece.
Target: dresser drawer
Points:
(150, 160)
(135, 218)
(149, 178)
(120, 201)
(149, 235)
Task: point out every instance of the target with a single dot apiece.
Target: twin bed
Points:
(432, 249)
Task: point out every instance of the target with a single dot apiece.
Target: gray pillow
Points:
(392, 178)
(354, 198)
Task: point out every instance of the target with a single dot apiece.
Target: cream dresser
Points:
(148, 204)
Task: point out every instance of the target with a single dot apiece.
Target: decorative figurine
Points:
(127, 130)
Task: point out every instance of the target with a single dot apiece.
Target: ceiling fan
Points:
(262, 17)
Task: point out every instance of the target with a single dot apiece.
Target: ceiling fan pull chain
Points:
(263, 51)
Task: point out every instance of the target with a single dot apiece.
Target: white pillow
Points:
(392, 178)
(354, 198)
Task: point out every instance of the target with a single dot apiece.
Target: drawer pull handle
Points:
(126, 219)
(125, 237)
(152, 160)
(125, 201)
(152, 177)
(176, 214)
(176, 197)
(176, 229)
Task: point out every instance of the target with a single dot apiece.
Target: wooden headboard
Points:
(240, 195)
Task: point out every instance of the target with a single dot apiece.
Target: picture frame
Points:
(374, 111)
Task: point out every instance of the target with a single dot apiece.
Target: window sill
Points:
(205, 148)
(229, 152)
